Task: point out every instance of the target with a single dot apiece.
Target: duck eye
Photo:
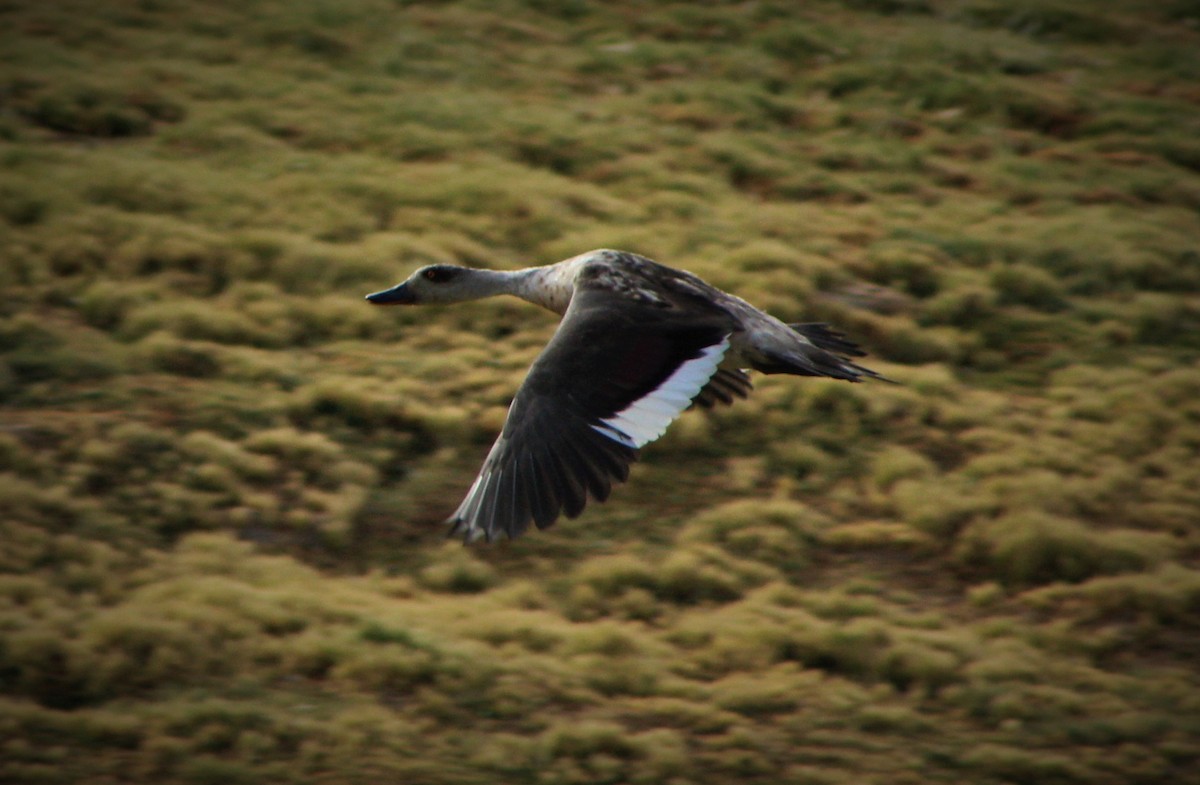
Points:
(438, 275)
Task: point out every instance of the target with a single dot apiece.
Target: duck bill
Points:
(399, 294)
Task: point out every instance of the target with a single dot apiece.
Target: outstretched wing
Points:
(616, 373)
(725, 385)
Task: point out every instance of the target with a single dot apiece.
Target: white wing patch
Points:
(647, 418)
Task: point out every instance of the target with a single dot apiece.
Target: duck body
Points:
(638, 344)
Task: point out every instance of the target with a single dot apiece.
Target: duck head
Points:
(435, 283)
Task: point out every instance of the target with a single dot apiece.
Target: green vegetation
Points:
(222, 474)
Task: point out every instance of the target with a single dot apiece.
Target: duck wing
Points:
(615, 374)
(725, 385)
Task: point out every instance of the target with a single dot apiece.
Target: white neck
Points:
(481, 283)
(550, 287)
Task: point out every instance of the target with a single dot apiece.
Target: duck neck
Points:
(549, 286)
(489, 283)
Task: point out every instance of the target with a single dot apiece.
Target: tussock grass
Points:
(1037, 548)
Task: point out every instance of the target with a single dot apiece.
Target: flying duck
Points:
(638, 343)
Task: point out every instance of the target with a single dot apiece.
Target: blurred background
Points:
(222, 474)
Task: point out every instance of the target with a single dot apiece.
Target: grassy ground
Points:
(222, 474)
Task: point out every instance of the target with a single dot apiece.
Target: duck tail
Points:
(825, 337)
(823, 352)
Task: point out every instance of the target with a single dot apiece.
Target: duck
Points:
(638, 343)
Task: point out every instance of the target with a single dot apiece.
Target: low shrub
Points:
(1018, 284)
(1031, 548)
(938, 506)
(97, 110)
(702, 575)
(776, 532)
(194, 359)
(898, 463)
(914, 269)
(458, 572)
(201, 321)
(612, 576)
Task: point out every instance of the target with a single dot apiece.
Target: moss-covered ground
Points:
(222, 475)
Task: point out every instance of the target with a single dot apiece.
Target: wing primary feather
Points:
(556, 479)
(461, 519)
(543, 485)
(531, 481)
(593, 476)
(518, 507)
(570, 488)
(615, 458)
(484, 511)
